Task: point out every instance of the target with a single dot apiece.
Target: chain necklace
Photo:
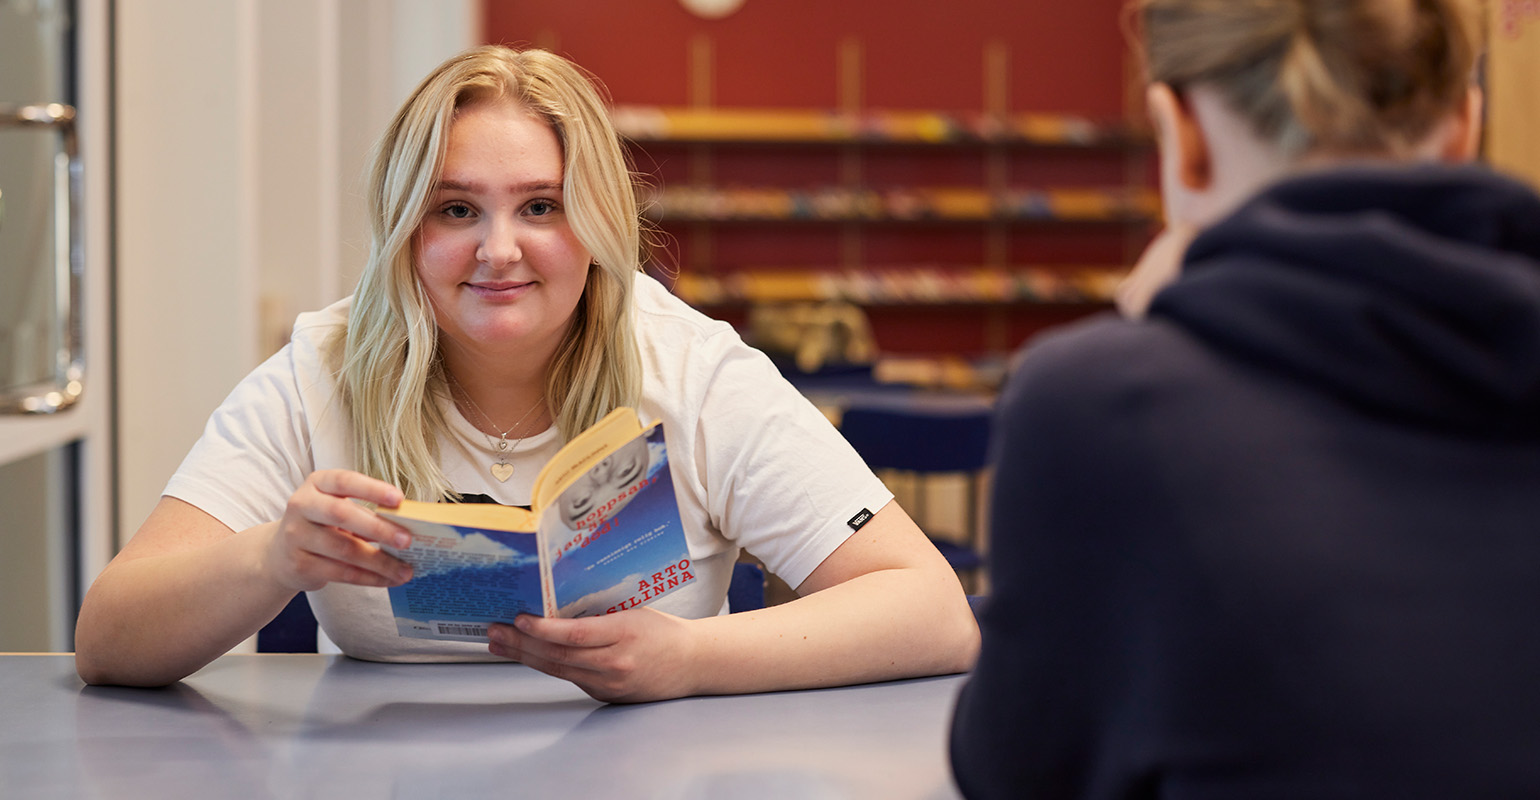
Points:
(502, 470)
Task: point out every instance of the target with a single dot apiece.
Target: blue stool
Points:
(928, 436)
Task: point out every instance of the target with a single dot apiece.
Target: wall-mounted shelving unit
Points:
(958, 233)
(905, 286)
(811, 126)
(905, 205)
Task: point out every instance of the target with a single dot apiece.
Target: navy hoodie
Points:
(1281, 538)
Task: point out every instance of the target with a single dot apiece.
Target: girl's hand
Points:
(631, 656)
(324, 536)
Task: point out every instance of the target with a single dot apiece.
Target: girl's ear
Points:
(1184, 148)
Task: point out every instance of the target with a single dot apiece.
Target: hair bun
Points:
(1347, 75)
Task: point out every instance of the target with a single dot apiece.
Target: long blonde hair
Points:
(390, 372)
(1346, 75)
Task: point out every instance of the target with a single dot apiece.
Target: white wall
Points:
(242, 130)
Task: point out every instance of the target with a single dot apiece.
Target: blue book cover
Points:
(603, 535)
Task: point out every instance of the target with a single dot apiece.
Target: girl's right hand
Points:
(324, 536)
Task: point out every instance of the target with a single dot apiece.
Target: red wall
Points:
(1066, 56)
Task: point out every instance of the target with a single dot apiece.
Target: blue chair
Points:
(747, 590)
(294, 629)
(930, 436)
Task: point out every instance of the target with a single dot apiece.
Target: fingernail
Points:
(403, 540)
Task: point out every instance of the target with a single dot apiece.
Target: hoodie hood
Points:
(1411, 292)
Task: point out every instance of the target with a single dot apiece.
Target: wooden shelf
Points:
(907, 286)
(806, 126)
(939, 204)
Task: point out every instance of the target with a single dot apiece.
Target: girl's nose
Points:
(500, 246)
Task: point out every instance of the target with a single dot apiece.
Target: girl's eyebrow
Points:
(456, 185)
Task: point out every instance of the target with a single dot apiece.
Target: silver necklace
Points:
(502, 470)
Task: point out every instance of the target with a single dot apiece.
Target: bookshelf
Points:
(957, 233)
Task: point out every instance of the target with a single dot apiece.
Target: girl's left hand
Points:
(630, 656)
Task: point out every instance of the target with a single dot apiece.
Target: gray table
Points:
(329, 726)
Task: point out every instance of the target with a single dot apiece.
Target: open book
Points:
(602, 535)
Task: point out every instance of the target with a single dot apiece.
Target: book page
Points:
(464, 577)
(468, 515)
(579, 455)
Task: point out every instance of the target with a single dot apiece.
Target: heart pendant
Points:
(502, 472)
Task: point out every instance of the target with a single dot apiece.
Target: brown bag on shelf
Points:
(813, 335)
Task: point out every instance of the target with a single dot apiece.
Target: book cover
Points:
(603, 534)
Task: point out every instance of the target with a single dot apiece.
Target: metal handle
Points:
(64, 389)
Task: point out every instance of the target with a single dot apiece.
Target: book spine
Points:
(547, 583)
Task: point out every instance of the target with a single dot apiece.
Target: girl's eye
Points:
(457, 211)
(541, 208)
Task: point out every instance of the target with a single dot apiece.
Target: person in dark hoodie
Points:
(1280, 537)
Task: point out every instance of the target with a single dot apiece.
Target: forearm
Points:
(884, 625)
(883, 605)
(154, 620)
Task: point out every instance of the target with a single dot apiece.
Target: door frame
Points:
(89, 422)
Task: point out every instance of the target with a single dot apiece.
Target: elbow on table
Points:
(950, 634)
(963, 638)
(95, 671)
(92, 668)
(90, 671)
(90, 664)
(944, 620)
(99, 661)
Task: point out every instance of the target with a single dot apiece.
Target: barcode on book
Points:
(459, 629)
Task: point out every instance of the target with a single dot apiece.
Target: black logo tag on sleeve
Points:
(861, 518)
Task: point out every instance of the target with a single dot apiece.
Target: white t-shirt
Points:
(755, 465)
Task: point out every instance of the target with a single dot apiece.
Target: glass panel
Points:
(33, 315)
(30, 333)
(32, 51)
(35, 574)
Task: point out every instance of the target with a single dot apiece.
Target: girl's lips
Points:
(498, 289)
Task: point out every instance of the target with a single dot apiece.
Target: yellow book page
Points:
(582, 453)
(574, 459)
(467, 515)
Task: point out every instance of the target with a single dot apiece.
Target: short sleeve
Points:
(785, 484)
(756, 465)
